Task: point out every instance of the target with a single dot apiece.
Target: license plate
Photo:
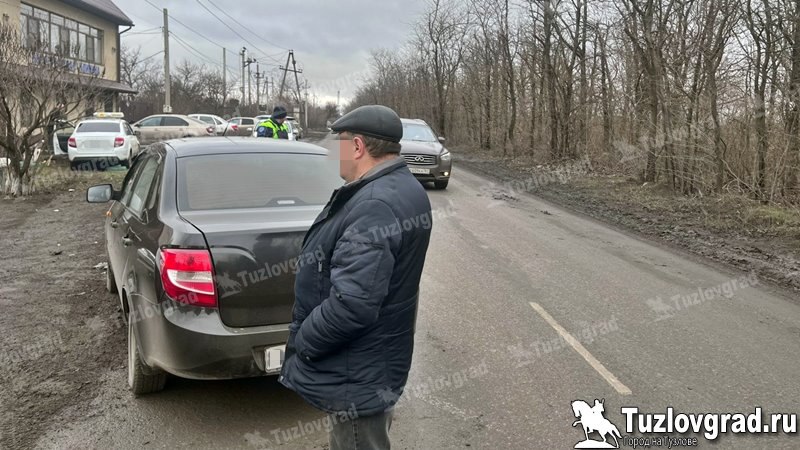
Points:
(273, 358)
(419, 171)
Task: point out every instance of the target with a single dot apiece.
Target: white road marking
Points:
(578, 347)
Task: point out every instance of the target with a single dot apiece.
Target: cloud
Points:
(332, 40)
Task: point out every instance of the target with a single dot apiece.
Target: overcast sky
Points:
(331, 39)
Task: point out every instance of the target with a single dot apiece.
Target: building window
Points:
(52, 33)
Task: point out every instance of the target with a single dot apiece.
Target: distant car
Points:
(188, 238)
(245, 125)
(61, 134)
(221, 125)
(102, 141)
(164, 127)
(425, 154)
(297, 130)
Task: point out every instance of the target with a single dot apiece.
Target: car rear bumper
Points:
(119, 153)
(192, 342)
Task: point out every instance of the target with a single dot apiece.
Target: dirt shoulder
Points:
(57, 319)
(730, 229)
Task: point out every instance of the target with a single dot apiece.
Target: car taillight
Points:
(210, 130)
(119, 141)
(235, 127)
(188, 276)
(72, 142)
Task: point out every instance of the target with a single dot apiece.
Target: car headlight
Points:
(445, 156)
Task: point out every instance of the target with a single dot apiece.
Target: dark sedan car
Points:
(203, 242)
(425, 154)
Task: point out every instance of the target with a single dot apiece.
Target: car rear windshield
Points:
(98, 127)
(256, 180)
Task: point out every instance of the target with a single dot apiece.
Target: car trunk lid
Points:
(255, 254)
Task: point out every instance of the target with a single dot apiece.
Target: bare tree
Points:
(758, 19)
(36, 87)
(441, 41)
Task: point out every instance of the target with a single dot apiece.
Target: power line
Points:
(147, 31)
(151, 56)
(233, 29)
(248, 29)
(192, 50)
(183, 24)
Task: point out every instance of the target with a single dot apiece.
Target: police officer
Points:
(274, 127)
(352, 333)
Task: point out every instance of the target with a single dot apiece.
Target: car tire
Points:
(441, 184)
(111, 284)
(141, 379)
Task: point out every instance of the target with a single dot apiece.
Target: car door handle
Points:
(127, 241)
(114, 224)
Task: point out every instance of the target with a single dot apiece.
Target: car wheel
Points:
(141, 379)
(441, 184)
(111, 284)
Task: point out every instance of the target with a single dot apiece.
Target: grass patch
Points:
(58, 177)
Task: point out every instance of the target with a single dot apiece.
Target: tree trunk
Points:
(793, 119)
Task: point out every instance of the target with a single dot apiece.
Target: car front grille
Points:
(420, 159)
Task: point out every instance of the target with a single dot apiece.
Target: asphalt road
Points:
(490, 370)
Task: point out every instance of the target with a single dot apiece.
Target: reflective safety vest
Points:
(276, 131)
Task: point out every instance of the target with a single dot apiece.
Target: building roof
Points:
(103, 8)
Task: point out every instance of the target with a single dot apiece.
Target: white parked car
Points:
(102, 141)
(220, 125)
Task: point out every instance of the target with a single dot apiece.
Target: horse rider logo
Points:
(229, 285)
(592, 420)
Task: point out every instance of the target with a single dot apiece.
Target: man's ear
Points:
(360, 149)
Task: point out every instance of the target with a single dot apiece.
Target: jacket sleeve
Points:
(361, 269)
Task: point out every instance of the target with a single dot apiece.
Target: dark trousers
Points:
(362, 433)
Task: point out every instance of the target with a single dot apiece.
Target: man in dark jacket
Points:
(352, 332)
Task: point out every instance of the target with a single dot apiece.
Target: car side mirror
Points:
(441, 139)
(102, 193)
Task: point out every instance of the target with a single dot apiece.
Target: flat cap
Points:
(375, 121)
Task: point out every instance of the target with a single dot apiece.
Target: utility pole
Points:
(286, 69)
(267, 90)
(243, 53)
(305, 116)
(247, 64)
(167, 79)
(259, 76)
(224, 79)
